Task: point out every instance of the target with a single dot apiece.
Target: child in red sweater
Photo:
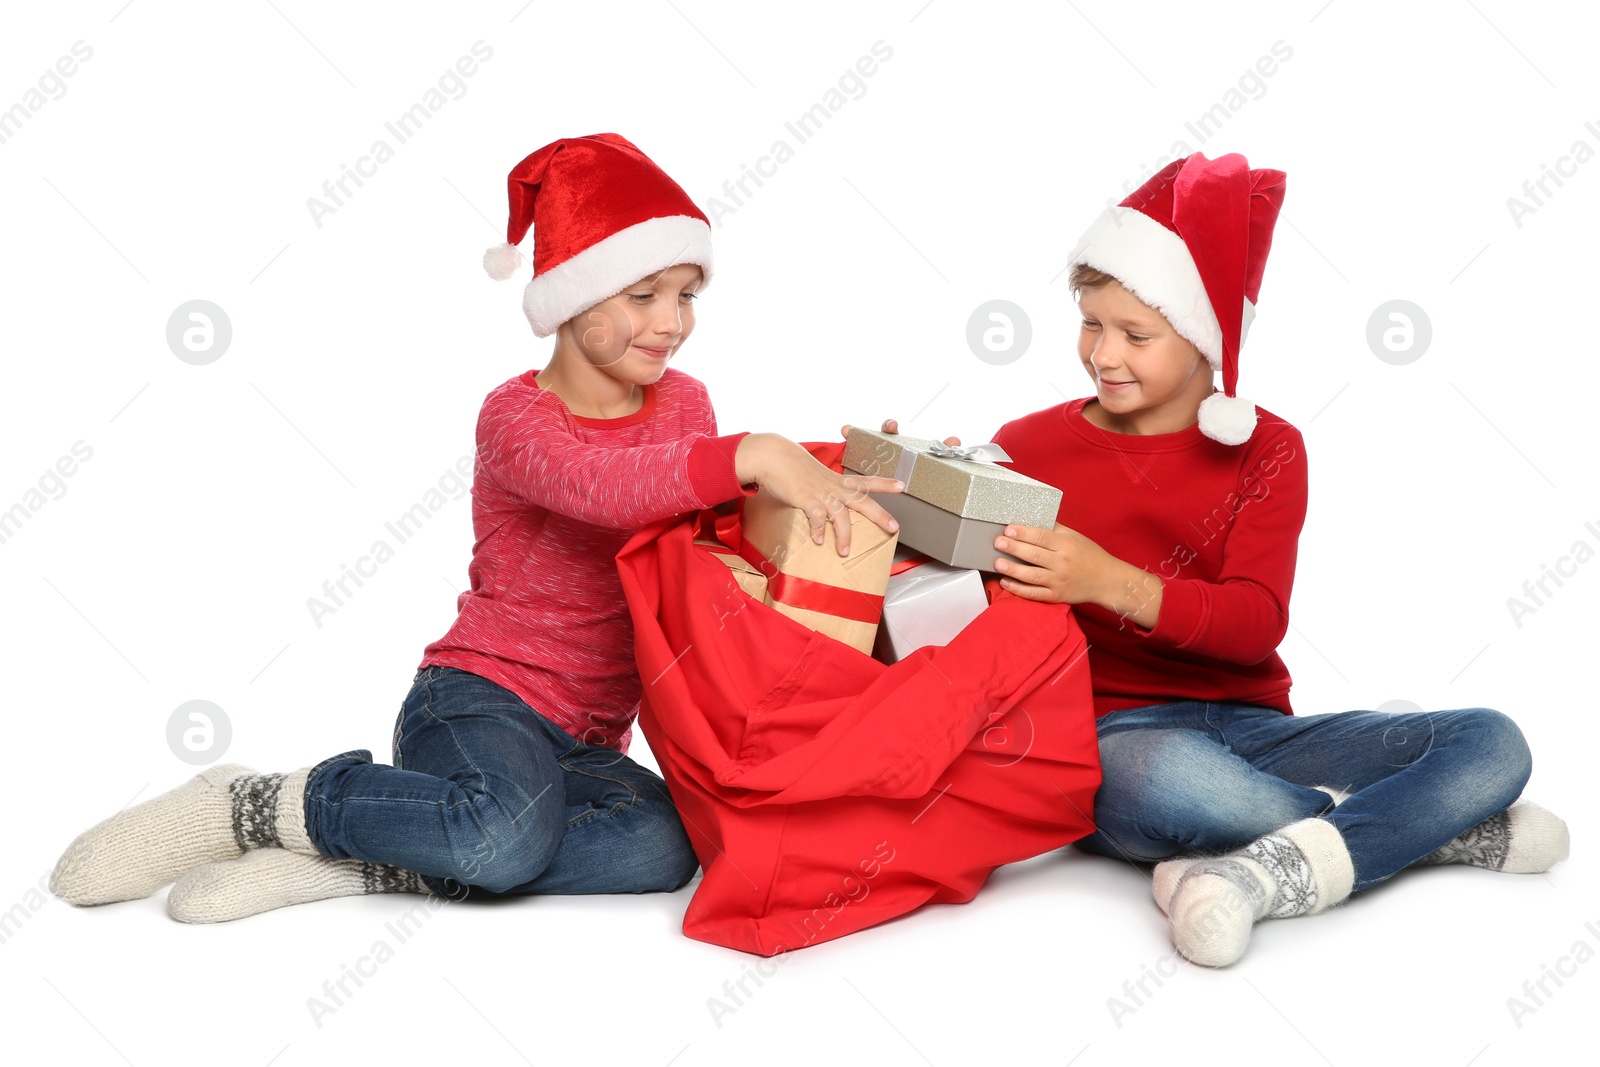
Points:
(1176, 544)
(510, 769)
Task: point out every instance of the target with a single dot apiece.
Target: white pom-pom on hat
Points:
(502, 261)
(1227, 419)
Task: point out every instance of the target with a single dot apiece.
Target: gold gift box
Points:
(790, 571)
(952, 509)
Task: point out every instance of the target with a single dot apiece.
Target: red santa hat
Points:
(1192, 243)
(603, 217)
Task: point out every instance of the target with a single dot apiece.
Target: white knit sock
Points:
(218, 814)
(272, 878)
(1164, 879)
(1523, 839)
(289, 814)
(1302, 869)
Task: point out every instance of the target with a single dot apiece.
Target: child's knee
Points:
(1506, 761)
(495, 851)
(1171, 791)
(501, 863)
(1167, 768)
(664, 858)
(671, 869)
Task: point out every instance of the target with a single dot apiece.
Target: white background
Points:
(175, 564)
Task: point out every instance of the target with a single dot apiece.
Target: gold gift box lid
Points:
(969, 488)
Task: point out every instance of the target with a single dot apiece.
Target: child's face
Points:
(1145, 372)
(633, 335)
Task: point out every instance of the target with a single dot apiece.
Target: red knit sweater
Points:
(554, 497)
(1219, 524)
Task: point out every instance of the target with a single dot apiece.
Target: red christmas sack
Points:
(825, 792)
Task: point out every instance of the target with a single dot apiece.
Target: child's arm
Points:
(792, 475)
(1068, 568)
(528, 450)
(1239, 617)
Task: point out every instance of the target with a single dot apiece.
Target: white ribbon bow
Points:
(986, 453)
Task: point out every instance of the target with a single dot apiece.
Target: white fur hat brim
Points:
(1154, 264)
(609, 266)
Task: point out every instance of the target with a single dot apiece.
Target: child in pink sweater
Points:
(510, 768)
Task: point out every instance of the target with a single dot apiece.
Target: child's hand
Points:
(1064, 567)
(891, 426)
(790, 473)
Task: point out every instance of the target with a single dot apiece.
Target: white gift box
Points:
(927, 603)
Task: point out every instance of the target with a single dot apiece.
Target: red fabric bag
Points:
(825, 792)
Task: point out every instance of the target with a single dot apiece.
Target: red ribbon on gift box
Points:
(902, 565)
(808, 595)
(789, 589)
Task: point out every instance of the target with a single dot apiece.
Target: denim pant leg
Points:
(1171, 785)
(623, 833)
(475, 797)
(1416, 779)
(489, 797)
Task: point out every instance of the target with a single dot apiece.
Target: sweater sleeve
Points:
(713, 469)
(526, 447)
(1243, 615)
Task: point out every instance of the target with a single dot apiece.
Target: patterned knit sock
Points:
(1523, 839)
(1302, 869)
(273, 878)
(218, 814)
(1166, 875)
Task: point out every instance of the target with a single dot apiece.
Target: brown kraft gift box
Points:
(779, 565)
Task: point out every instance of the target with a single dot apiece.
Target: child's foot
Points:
(216, 815)
(1523, 839)
(272, 878)
(1302, 869)
(1165, 877)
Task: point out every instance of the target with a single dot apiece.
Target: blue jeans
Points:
(487, 796)
(1195, 777)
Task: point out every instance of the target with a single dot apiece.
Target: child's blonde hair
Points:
(1086, 277)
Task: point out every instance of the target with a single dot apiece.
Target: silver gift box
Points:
(952, 508)
(926, 604)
